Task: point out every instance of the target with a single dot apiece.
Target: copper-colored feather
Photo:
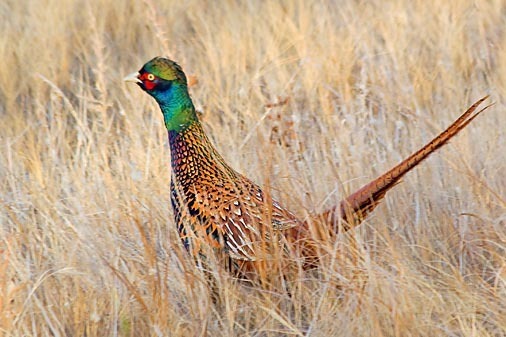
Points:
(357, 205)
(218, 206)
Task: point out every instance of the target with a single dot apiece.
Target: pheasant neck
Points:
(193, 155)
(177, 107)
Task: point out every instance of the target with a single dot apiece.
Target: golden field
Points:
(312, 99)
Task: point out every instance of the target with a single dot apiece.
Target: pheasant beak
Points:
(133, 77)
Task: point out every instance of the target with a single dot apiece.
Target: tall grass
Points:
(87, 241)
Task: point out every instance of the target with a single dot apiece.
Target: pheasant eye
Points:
(151, 77)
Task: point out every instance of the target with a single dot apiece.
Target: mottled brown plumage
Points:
(215, 204)
(218, 209)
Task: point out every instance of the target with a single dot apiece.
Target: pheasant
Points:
(219, 210)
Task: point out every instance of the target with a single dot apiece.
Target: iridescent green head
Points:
(164, 69)
(166, 82)
(156, 72)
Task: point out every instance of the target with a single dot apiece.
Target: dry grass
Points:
(87, 242)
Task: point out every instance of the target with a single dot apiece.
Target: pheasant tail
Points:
(354, 208)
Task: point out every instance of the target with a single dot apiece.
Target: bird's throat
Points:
(177, 108)
(180, 119)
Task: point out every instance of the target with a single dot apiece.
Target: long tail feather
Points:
(354, 208)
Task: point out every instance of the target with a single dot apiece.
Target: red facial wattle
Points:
(148, 80)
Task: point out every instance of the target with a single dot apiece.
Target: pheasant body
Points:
(216, 207)
(213, 202)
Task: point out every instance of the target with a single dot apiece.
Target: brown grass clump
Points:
(315, 98)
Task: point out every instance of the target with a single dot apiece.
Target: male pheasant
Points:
(218, 209)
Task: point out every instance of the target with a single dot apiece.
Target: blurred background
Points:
(311, 99)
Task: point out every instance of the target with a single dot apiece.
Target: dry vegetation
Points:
(87, 242)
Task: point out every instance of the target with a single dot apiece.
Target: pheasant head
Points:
(166, 82)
